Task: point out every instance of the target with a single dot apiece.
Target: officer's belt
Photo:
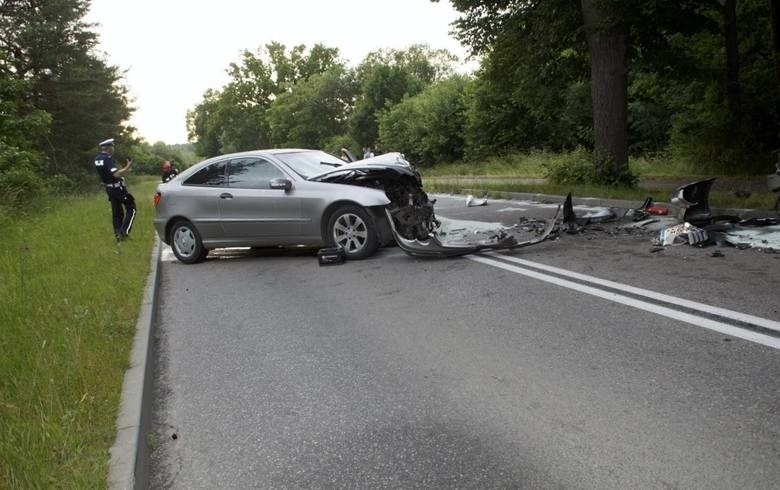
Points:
(114, 185)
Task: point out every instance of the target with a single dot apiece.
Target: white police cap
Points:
(108, 142)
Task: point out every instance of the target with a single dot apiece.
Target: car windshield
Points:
(310, 163)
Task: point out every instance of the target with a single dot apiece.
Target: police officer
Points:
(122, 202)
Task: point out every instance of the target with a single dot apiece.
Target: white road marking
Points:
(713, 310)
(166, 255)
(698, 321)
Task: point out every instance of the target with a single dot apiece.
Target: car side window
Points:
(252, 173)
(211, 176)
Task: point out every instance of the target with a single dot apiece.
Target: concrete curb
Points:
(127, 468)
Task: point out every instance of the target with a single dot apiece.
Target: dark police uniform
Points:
(122, 202)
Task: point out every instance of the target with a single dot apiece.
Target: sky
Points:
(172, 51)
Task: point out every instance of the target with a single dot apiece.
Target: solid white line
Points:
(716, 326)
(714, 310)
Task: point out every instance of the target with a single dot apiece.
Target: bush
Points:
(584, 167)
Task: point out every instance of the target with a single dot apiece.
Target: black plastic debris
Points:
(642, 213)
(760, 222)
(693, 201)
(569, 217)
(331, 256)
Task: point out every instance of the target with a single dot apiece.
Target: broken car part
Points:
(692, 202)
(471, 201)
(331, 256)
(432, 246)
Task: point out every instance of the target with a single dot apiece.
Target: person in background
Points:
(367, 153)
(112, 177)
(169, 171)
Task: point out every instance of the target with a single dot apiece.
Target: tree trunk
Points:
(733, 90)
(608, 86)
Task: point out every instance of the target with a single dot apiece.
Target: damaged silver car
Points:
(291, 197)
(296, 197)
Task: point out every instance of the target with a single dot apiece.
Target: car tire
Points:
(351, 228)
(186, 243)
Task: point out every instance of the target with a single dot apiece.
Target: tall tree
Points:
(47, 45)
(236, 117)
(774, 6)
(313, 112)
(386, 77)
(547, 32)
(607, 41)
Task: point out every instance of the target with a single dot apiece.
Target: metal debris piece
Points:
(692, 202)
(697, 236)
(641, 213)
(433, 247)
(683, 233)
(471, 201)
(644, 222)
(670, 235)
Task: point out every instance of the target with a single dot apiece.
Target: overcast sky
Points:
(174, 50)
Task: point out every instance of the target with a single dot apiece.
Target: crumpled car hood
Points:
(371, 168)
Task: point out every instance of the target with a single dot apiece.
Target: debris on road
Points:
(689, 221)
(470, 238)
(331, 256)
(472, 202)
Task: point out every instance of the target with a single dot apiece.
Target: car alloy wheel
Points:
(351, 228)
(350, 232)
(186, 243)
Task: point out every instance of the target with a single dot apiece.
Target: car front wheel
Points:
(351, 228)
(186, 243)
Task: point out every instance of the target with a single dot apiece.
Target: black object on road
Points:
(331, 256)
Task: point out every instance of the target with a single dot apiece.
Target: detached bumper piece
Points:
(331, 256)
(433, 247)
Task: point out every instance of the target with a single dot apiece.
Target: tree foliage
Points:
(429, 127)
(238, 117)
(55, 87)
(386, 77)
(698, 77)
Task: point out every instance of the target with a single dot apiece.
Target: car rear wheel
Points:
(351, 228)
(186, 243)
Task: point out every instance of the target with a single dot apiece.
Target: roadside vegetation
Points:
(560, 173)
(69, 301)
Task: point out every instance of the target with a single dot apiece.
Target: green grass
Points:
(69, 300)
(512, 165)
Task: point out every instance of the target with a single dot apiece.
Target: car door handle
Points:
(226, 195)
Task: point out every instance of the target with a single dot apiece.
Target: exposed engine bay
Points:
(411, 209)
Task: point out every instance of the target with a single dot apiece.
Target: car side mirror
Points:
(281, 184)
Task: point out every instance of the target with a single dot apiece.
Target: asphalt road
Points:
(474, 372)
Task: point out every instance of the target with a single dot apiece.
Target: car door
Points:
(199, 199)
(252, 212)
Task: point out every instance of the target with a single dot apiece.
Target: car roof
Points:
(271, 151)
